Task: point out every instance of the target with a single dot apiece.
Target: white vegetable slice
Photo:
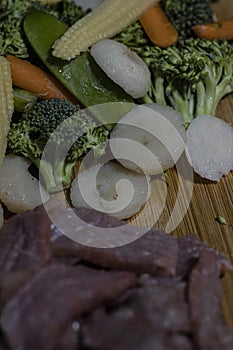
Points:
(19, 190)
(123, 66)
(150, 139)
(209, 147)
(111, 189)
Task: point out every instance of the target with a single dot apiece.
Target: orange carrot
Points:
(157, 26)
(218, 30)
(30, 77)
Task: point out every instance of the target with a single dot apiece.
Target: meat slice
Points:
(189, 250)
(205, 294)
(10, 282)
(155, 253)
(164, 304)
(42, 309)
(25, 241)
(98, 219)
(179, 342)
(2, 347)
(69, 340)
(122, 330)
(149, 319)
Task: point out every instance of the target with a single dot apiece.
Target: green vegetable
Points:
(11, 39)
(192, 76)
(81, 76)
(221, 220)
(29, 134)
(23, 100)
(184, 14)
(12, 13)
(69, 12)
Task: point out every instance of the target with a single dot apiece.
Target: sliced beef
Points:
(122, 330)
(25, 241)
(155, 253)
(149, 319)
(98, 219)
(179, 342)
(164, 304)
(10, 282)
(2, 346)
(42, 309)
(69, 340)
(189, 250)
(205, 294)
(90, 227)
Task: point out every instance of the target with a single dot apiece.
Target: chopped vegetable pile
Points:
(64, 58)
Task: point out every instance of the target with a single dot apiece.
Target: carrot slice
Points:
(218, 30)
(32, 78)
(157, 26)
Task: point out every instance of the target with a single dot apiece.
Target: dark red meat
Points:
(149, 319)
(42, 309)
(205, 293)
(25, 241)
(189, 251)
(155, 253)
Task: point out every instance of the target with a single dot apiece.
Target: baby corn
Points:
(6, 104)
(107, 20)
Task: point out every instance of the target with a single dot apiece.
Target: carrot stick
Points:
(218, 30)
(157, 26)
(29, 77)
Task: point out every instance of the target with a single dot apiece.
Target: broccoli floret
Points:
(192, 77)
(70, 12)
(184, 14)
(55, 124)
(12, 13)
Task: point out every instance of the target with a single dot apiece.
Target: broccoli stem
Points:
(63, 174)
(46, 170)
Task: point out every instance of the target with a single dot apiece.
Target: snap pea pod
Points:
(81, 76)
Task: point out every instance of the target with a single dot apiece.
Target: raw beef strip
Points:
(189, 250)
(149, 319)
(122, 330)
(25, 241)
(10, 282)
(155, 253)
(98, 219)
(42, 309)
(70, 338)
(205, 293)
